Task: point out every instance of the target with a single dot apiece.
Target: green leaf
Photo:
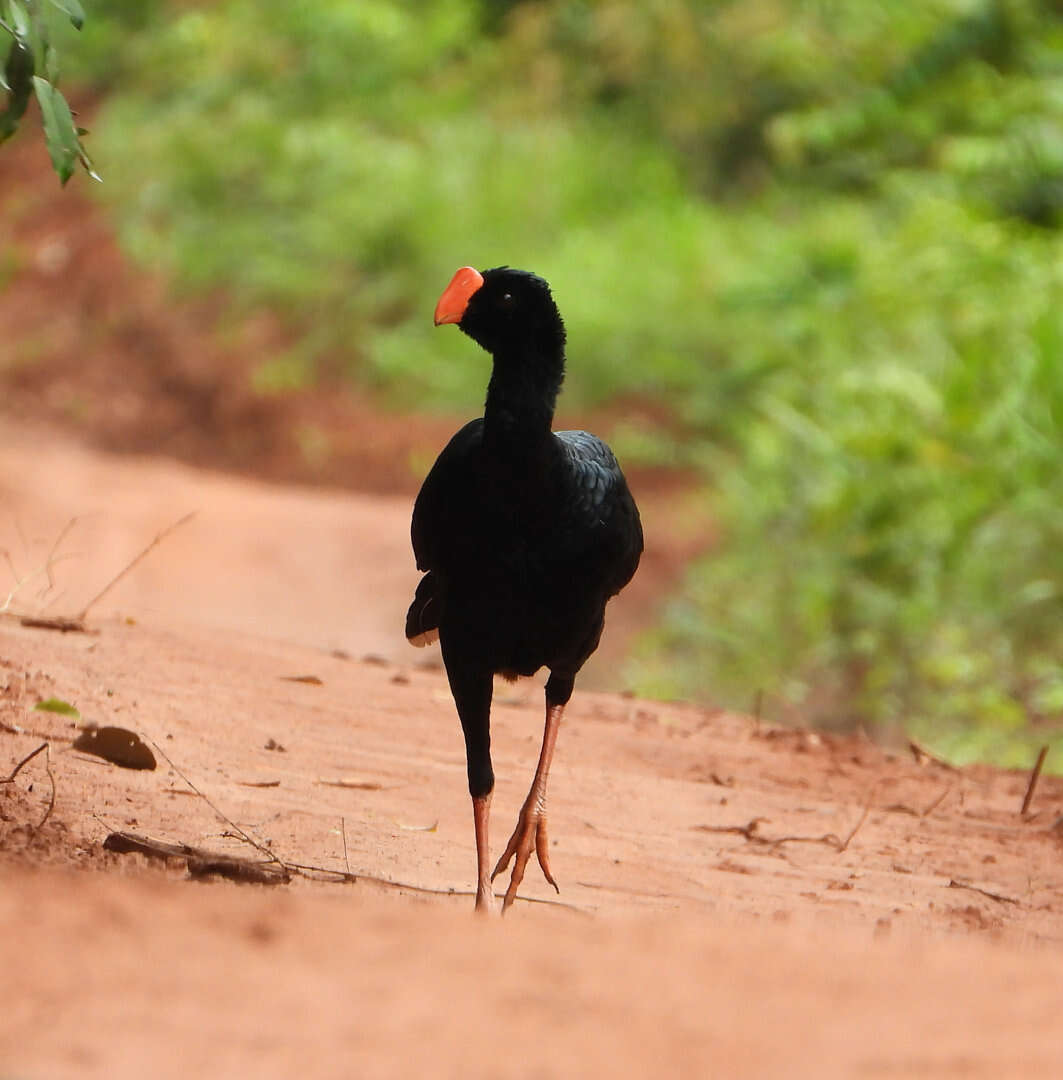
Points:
(60, 136)
(18, 73)
(57, 705)
(74, 9)
(51, 64)
(20, 19)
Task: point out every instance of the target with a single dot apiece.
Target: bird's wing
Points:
(436, 513)
(599, 515)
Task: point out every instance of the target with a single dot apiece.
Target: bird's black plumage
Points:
(523, 533)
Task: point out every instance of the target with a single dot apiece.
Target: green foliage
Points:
(341, 166)
(825, 235)
(894, 506)
(29, 26)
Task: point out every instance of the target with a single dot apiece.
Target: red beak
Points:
(456, 296)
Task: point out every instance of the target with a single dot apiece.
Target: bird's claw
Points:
(485, 899)
(528, 836)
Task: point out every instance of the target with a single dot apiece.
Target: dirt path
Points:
(737, 900)
(323, 569)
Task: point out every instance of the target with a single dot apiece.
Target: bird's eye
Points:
(507, 299)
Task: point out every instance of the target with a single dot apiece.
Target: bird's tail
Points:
(422, 620)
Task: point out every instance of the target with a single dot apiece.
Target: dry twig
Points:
(863, 817)
(239, 833)
(955, 883)
(51, 780)
(25, 761)
(63, 624)
(343, 831)
(200, 862)
(48, 770)
(751, 833)
(1035, 775)
(937, 802)
(81, 615)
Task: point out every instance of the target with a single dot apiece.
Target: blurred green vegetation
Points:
(823, 235)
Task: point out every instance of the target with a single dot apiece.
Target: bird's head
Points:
(502, 310)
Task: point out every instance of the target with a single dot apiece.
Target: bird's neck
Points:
(521, 396)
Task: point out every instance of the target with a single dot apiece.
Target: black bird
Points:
(523, 535)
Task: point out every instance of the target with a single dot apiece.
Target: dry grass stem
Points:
(1035, 775)
(25, 761)
(80, 617)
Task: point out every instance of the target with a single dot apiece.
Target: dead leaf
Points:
(360, 785)
(116, 745)
(309, 680)
(59, 622)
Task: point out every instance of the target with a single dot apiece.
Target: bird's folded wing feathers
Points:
(433, 512)
(594, 477)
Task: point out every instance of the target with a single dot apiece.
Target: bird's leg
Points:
(530, 833)
(485, 897)
(472, 688)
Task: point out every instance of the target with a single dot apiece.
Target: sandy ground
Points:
(737, 900)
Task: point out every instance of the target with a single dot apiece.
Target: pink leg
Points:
(485, 897)
(530, 833)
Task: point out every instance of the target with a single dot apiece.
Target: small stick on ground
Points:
(937, 802)
(199, 861)
(863, 817)
(1034, 777)
(343, 831)
(322, 872)
(955, 883)
(750, 832)
(51, 780)
(63, 624)
(237, 831)
(25, 761)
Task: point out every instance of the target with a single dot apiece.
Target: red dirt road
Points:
(737, 901)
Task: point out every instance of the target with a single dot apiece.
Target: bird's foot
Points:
(485, 898)
(528, 836)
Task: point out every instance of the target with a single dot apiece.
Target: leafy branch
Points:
(30, 53)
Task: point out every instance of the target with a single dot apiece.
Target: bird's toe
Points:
(529, 836)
